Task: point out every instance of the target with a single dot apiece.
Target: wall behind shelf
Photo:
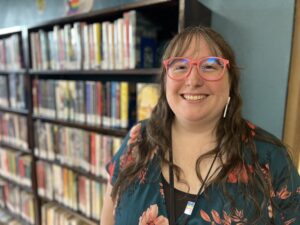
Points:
(24, 12)
(260, 32)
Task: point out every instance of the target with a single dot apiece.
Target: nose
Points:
(194, 78)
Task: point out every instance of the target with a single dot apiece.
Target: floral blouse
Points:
(213, 207)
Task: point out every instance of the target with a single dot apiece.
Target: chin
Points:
(188, 118)
(192, 119)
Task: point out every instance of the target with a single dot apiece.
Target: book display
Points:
(71, 88)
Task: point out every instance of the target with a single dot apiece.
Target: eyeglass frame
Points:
(197, 63)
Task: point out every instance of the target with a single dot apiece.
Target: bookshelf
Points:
(8, 217)
(15, 111)
(18, 200)
(80, 103)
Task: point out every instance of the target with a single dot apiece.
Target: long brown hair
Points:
(230, 131)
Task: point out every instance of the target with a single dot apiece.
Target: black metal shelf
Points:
(14, 148)
(131, 72)
(12, 71)
(134, 75)
(11, 30)
(13, 110)
(84, 126)
(75, 169)
(61, 204)
(22, 186)
(16, 216)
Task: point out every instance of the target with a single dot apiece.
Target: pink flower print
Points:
(142, 175)
(291, 221)
(266, 171)
(298, 190)
(252, 131)
(111, 169)
(238, 217)
(150, 217)
(251, 125)
(161, 190)
(239, 173)
(227, 219)
(205, 216)
(134, 133)
(127, 159)
(216, 216)
(283, 193)
(232, 177)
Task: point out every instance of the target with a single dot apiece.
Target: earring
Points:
(226, 107)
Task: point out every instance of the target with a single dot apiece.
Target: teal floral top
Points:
(213, 207)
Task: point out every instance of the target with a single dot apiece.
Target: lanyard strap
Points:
(190, 205)
(172, 193)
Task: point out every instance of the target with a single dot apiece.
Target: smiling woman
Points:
(196, 160)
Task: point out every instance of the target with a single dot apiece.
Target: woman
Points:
(196, 160)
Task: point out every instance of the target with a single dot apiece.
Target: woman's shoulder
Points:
(134, 135)
(132, 138)
(127, 153)
(268, 147)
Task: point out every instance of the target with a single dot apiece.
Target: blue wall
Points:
(260, 32)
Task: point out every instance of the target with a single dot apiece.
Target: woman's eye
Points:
(209, 67)
(180, 67)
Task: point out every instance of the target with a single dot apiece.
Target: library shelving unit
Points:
(17, 198)
(83, 74)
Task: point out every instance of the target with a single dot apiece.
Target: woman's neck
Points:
(192, 129)
(192, 139)
(189, 142)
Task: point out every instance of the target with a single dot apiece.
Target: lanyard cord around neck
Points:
(190, 205)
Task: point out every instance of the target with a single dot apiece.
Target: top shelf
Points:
(134, 72)
(107, 12)
(12, 71)
(11, 30)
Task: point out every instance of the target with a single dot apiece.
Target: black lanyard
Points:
(190, 205)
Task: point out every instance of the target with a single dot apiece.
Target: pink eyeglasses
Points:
(210, 68)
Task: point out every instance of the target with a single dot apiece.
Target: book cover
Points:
(147, 97)
(4, 92)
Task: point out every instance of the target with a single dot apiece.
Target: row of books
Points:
(15, 97)
(126, 43)
(8, 219)
(88, 151)
(17, 201)
(108, 104)
(72, 190)
(10, 52)
(15, 166)
(54, 214)
(13, 130)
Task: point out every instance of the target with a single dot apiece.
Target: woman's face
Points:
(194, 99)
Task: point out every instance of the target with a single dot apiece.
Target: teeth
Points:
(194, 97)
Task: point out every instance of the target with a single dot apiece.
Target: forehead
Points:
(196, 46)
